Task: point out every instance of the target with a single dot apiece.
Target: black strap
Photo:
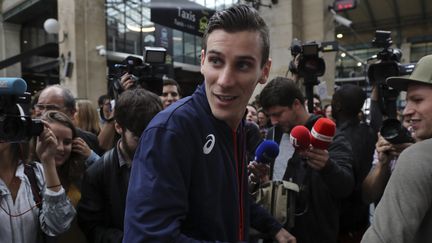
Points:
(29, 171)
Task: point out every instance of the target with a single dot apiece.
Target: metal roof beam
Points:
(423, 9)
(370, 13)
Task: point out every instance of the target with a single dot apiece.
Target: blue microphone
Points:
(266, 152)
(12, 86)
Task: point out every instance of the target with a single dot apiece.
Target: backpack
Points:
(278, 198)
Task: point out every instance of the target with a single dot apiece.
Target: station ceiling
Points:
(394, 15)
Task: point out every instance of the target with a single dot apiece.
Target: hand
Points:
(46, 146)
(284, 236)
(316, 158)
(80, 147)
(388, 151)
(383, 148)
(127, 82)
(259, 172)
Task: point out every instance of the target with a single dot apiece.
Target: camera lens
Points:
(393, 131)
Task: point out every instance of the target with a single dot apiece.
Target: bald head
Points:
(56, 98)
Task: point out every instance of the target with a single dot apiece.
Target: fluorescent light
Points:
(143, 29)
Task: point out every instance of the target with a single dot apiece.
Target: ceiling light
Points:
(143, 29)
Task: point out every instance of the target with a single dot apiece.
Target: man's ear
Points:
(71, 113)
(118, 128)
(297, 104)
(202, 60)
(265, 72)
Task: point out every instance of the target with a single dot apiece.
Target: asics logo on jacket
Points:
(208, 146)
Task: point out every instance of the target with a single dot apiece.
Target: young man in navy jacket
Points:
(189, 173)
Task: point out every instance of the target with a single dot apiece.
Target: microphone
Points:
(12, 86)
(266, 152)
(300, 137)
(322, 133)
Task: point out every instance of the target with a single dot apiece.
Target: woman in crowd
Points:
(264, 122)
(33, 202)
(70, 161)
(87, 117)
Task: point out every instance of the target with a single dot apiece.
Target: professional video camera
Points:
(146, 72)
(15, 125)
(309, 63)
(310, 66)
(387, 66)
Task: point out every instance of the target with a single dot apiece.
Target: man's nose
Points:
(408, 110)
(226, 76)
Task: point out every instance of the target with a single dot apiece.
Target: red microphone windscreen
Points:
(300, 137)
(322, 133)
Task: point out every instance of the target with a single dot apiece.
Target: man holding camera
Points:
(404, 213)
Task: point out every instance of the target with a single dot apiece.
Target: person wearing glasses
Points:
(61, 99)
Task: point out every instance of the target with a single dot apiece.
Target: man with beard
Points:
(325, 176)
(104, 187)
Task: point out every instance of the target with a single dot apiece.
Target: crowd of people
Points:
(148, 168)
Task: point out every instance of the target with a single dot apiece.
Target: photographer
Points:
(107, 136)
(133, 73)
(384, 162)
(28, 215)
(404, 213)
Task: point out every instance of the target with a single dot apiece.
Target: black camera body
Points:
(393, 131)
(146, 72)
(309, 62)
(387, 66)
(310, 66)
(15, 125)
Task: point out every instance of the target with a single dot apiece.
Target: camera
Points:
(387, 66)
(310, 66)
(309, 63)
(15, 125)
(393, 131)
(146, 72)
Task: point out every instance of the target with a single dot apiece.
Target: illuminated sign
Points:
(342, 5)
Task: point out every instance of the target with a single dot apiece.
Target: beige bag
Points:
(278, 198)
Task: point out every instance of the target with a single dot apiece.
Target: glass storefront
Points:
(130, 29)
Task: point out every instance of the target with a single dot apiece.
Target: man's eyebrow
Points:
(244, 57)
(247, 58)
(214, 52)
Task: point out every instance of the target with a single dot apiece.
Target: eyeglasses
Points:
(48, 107)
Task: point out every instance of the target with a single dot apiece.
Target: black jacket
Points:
(355, 213)
(318, 204)
(103, 194)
